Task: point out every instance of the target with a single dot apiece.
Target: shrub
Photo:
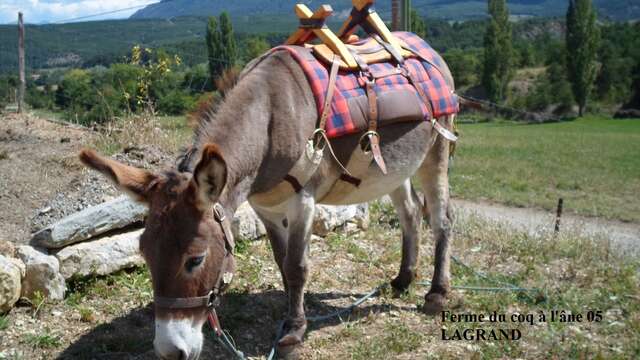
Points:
(175, 102)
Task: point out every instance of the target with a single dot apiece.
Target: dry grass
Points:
(168, 133)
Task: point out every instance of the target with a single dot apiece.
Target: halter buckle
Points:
(218, 212)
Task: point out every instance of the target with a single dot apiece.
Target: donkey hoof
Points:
(291, 352)
(402, 282)
(434, 303)
(399, 286)
(294, 334)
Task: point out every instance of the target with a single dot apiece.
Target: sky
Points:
(51, 11)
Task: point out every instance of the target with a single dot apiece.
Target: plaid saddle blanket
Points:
(397, 97)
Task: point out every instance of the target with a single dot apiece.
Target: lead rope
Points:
(227, 341)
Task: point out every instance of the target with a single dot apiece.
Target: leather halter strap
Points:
(212, 298)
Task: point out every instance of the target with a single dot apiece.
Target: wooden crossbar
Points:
(374, 21)
(309, 29)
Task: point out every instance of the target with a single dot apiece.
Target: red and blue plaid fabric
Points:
(443, 100)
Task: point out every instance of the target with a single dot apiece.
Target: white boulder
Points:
(102, 256)
(42, 274)
(11, 273)
(328, 218)
(246, 224)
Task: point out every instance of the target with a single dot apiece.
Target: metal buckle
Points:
(319, 137)
(214, 299)
(218, 212)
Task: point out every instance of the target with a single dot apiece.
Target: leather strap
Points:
(183, 303)
(419, 56)
(364, 67)
(372, 134)
(390, 49)
(416, 84)
(295, 184)
(333, 76)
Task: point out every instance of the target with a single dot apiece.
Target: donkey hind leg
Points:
(435, 184)
(276, 225)
(409, 208)
(300, 211)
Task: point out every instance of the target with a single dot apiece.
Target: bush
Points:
(464, 66)
(176, 102)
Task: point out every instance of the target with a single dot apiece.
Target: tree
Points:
(221, 45)
(255, 46)
(582, 39)
(498, 51)
(213, 48)
(418, 25)
(229, 50)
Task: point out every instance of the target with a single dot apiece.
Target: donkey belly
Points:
(404, 147)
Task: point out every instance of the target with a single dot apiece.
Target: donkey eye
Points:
(194, 262)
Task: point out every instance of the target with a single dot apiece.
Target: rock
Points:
(10, 283)
(7, 248)
(42, 274)
(328, 218)
(102, 256)
(88, 223)
(246, 224)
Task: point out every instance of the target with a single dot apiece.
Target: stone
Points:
(10, 283)
(88, 223)
(102, 256)
(42, 273)
(246, 224)
(328, 218)
(7, 248)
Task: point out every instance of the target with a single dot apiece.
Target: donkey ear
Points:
(210, 174)
(132, 180)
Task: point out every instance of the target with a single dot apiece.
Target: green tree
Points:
(255, 46)
(213, 48)
(498, 51)
(229, 49)
(418, 26)
(582, 39)
(221, 45)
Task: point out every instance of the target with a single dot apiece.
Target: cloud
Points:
(45, 11)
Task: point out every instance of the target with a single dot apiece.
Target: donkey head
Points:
(185, 243)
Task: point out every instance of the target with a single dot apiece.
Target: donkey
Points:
(242, 151)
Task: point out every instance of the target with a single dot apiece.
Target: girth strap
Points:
(372, 134)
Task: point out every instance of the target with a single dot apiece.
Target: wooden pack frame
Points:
(313, 24)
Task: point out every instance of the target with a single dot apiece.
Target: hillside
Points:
(451, 9)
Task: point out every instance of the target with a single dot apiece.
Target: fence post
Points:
(23, 81)
(395, 15)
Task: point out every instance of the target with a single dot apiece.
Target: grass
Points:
(592, 163)
(168, 133)
(574, 274)
(43, 341)
(4, 322)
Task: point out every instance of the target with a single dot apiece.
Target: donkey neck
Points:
(239, 129)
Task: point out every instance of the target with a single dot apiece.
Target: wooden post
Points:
(23, 80)
(395, 15)
(558, 215)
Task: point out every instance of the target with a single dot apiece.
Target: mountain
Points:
(618, 10)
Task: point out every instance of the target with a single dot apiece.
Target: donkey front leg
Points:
(435, 183)
(409, 209)
(300, 213)
(276, 225)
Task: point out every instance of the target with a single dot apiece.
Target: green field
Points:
(592, 163)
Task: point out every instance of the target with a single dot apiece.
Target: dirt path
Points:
(623, 236)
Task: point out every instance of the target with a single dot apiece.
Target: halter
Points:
(212, 299)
